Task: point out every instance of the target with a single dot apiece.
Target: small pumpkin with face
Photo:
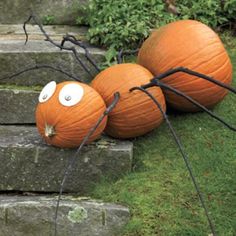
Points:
(67, 111)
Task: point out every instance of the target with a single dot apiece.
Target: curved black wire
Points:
(184, 155)
(37, 67)
(72, 39)
(72, 49)
(168, 87)
(71, 162)
(194, 73)
(122, 53)
(120, 56)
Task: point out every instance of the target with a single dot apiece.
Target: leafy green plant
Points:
(209, 12)
(230, 10)
(123, 23)
(126, 23)
(48, 20)
(229, 40)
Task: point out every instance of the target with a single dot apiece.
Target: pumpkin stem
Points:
(184, 155)
(49, 131)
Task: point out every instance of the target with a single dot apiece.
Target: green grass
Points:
(159, 191)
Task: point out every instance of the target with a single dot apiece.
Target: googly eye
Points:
(71, 94)
(47, 91)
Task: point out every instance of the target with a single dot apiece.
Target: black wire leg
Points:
(71, 162)
(170, 88)
(184, 155)
(191, 72)
(123, 53)
(37, 67)
(72, 39)
(72, 49)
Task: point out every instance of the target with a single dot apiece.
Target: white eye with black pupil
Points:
(71, 94)
(47, 91)
(67, 98)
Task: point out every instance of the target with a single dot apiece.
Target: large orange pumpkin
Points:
(190, 44)
(67, 111)
(135, 114)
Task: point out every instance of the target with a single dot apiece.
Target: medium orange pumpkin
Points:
(135, 114)
(193, 45)
(67, 111)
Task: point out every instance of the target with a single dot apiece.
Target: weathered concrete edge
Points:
(27, 164)
(48, 11)
(34, 215)
(18, 106)
(15, 57)
(56, 32)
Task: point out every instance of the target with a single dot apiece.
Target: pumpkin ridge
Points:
(192, 45)
(132, 105)
(136, 118)
(186, 60)
(131, 126)
(127, 109)
(134, 127)
(214, 56)
(163, 59)
(195, 79)
(65, 128)
(71, 111)
(227, 62)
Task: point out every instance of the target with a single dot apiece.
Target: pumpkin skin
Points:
(135, 114)
(191, 44)
(70, 123)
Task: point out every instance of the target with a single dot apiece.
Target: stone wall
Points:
(56, 11)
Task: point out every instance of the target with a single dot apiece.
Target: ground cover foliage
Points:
(159, 191)
(126, 23)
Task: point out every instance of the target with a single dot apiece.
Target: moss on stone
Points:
(77, 215)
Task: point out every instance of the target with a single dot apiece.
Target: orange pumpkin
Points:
(67, 111)
(193, 45)
(135, 114)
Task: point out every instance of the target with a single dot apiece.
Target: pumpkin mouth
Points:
(49, 131)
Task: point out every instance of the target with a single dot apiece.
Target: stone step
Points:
(27, 216)
(49, 11)
(15, 55)
(56, 32)
(27, 164)
(17, 105)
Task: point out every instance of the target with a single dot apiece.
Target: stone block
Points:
(28, 164)
(17, 106)
(49, 11)
(16, 56)
(27, 216)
